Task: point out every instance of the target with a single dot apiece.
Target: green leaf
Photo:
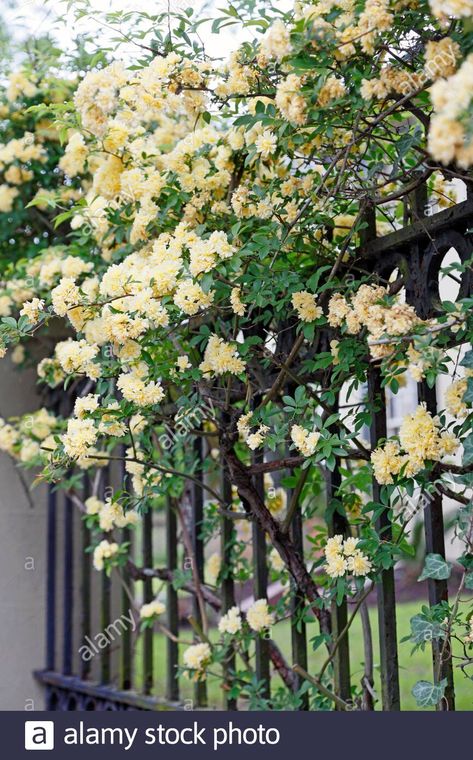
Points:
(467, 360)
(469, 580)
(423, 630)
(428, 694)
(289, 401)
(10, 322)
(60, 218)
(468, 451)
(435, 567)
(341, 591)
(468, 395)
(309, 331)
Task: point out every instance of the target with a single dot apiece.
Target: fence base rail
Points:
(66, 693)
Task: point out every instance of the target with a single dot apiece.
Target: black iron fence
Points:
(80, 601)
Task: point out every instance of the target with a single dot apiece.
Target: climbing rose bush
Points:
(203, 261)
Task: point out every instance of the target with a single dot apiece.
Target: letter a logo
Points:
(39, 734)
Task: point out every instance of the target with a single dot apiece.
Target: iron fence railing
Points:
(126, 676)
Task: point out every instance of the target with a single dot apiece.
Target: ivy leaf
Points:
(468, 451)
(467, 360)
(427, 694)
(423, 630)
(469, 580)
(468, 395)
(435, 567)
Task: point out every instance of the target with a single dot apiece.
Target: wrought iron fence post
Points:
(227, 581)
(386, 590)
(260, 588)
(200, 688)
(172, 661)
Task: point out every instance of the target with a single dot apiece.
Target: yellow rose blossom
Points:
(306, 306)
(304, 440)
(258, 616)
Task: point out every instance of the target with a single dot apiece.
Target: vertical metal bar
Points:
(105, 613)
(106, 602)
(51, 582)
(68, 586)
(337, 524)
(200, 688)
(172, 660)
(85, 586)
(126, 639)
(386, 587)
(126, 651)
(298, 603)
(298, 626)
(260, 588)
(438, 589)
(148, 660)
(420, 298)
(227, 583)
(386, 593)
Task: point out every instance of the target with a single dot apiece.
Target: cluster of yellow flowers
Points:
(276, 42)
(258, 616)
(275, 498)
(275, 562)
(266, 143)
(231, 622)
(444, 9)
(343, 558)
(237, 304)
(152, 609)
(105, 551)
(212, 568)
(306, 441)
(15, 159)
(253, 440)
(79, 438)
(449, 138)
(32, 309)
(20, 85)
(289, 100)
(332, 89)
(8, 437)
(134, 388)
(77, 356)
(111, 514)
(30, 439)
(374, 19)
(440, 61)
(190, 297)
(367, 309)
(256, 199)
(196, 658)
(41, 273)
(306, 306)
(221, 357)
(420, 440)
(454, 394)
(23, 157)
(445, 192)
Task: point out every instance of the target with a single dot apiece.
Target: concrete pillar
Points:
(22, 559)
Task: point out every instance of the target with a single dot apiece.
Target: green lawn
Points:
(412, 667)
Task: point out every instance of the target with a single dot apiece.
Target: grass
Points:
(413, 667)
